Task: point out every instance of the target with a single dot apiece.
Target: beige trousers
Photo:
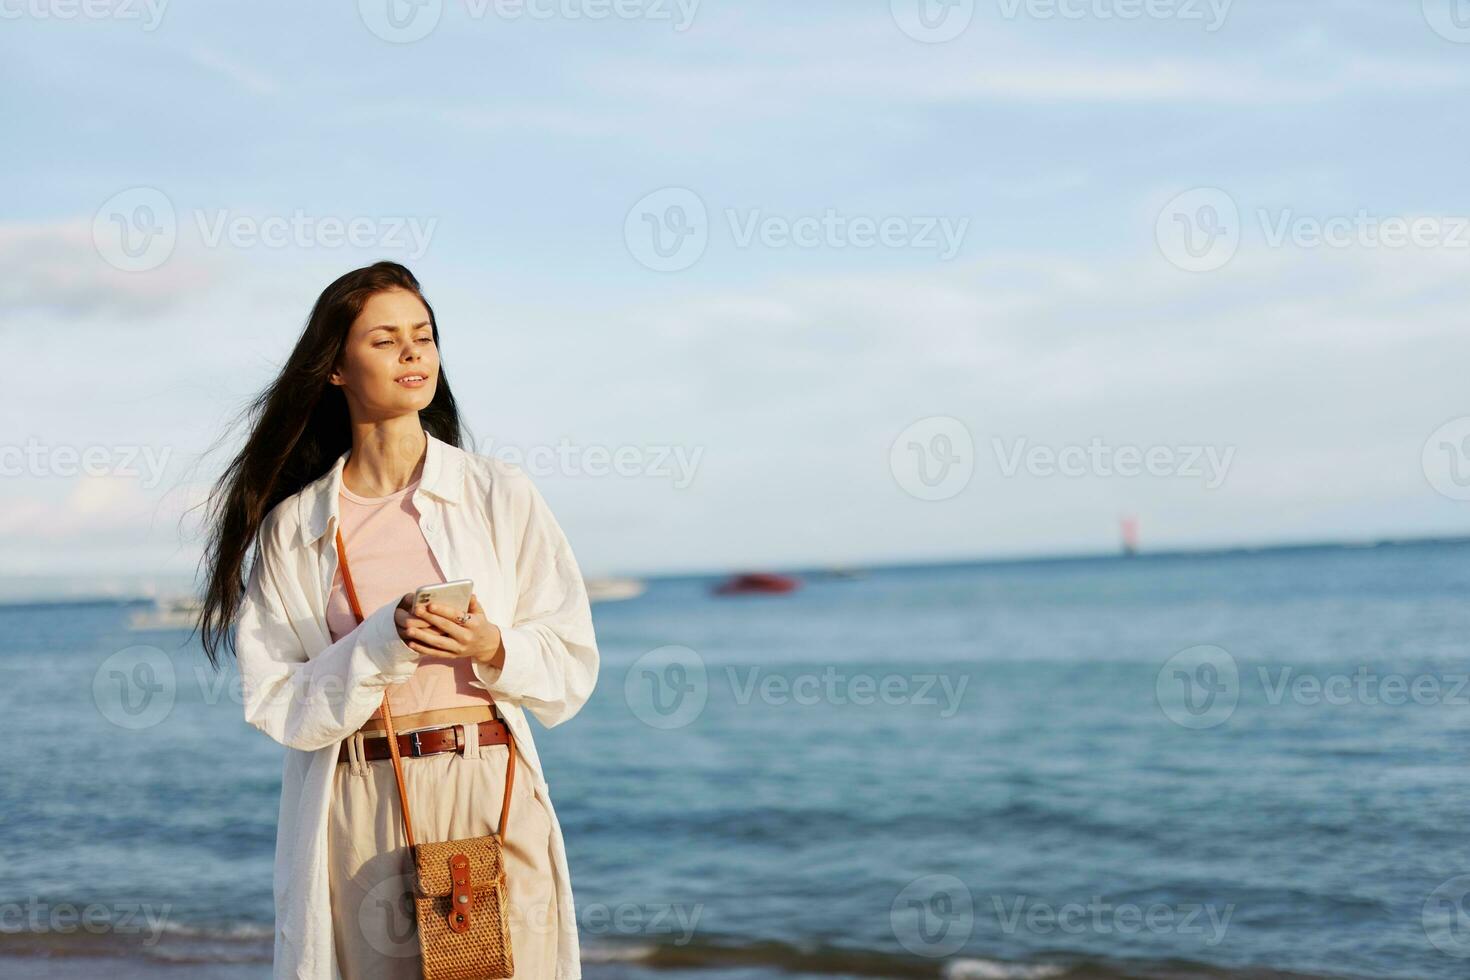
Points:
(450, 796)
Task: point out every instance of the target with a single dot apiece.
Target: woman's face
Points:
(389, 345)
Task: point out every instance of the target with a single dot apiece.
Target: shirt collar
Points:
(318, 506)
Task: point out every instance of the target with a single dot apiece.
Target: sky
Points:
(760, 285)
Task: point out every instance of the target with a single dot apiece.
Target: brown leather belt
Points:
(427, 741)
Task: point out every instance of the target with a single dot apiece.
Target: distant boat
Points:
(613, 589)
(748, 583)
(841, 572)
(168, 613)
(1129, 528)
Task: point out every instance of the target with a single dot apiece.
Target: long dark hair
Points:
(298, 427)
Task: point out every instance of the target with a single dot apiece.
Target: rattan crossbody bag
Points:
(459, 886)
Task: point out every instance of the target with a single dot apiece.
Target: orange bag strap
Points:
(510, 762)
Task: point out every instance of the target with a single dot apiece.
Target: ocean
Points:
(1234, 765)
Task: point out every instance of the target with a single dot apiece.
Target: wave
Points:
(174, 943)
(778, 958)
(244, 943)
(977, 969)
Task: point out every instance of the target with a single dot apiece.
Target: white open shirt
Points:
(484, 520)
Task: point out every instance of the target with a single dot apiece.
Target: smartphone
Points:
(454, 596)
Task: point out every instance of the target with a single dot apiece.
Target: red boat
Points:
(756, 582)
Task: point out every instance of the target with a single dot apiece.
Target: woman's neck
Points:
(383, 461)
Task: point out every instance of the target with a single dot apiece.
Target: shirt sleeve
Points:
(551, 657)
(311, 703)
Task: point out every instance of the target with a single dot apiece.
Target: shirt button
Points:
(428, 525)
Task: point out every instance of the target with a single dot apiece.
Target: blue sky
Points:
(807, 370)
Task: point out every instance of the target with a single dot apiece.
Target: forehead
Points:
(393, 308)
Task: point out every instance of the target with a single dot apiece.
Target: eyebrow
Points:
(394, 328)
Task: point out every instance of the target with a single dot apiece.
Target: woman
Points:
(360, 435)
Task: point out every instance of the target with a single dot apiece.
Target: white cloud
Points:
(55, 267)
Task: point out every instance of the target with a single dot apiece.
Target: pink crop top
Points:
(389, 557)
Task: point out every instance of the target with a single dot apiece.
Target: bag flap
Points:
(431, 861)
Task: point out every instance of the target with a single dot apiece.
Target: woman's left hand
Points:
(476, 637)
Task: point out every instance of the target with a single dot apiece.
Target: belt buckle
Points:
(415, 750)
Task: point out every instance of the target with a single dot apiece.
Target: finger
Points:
(418, 615)
(452, 627)
(428, 651)
(437, 642)
(406, 620)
